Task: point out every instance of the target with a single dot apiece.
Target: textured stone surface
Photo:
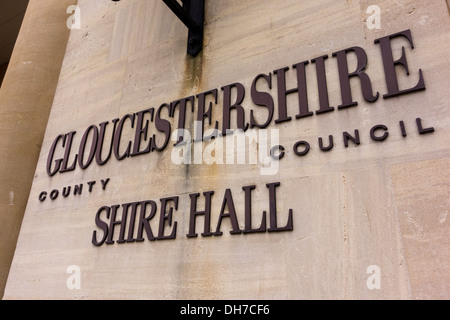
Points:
(26, 97)
(381, 203)
(422, 207)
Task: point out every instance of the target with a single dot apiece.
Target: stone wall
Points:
(26, 97)
(366, 219)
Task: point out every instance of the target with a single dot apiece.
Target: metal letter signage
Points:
(71, 150)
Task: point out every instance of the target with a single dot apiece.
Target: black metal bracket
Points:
(192, 14)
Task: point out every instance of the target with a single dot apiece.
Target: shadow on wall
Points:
(2, 72)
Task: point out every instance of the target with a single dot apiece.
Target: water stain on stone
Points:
(192, 83)
(193, 73)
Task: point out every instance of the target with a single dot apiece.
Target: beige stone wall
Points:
(381, 204)
(26, 97)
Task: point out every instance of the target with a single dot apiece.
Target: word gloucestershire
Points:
(150, 130)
